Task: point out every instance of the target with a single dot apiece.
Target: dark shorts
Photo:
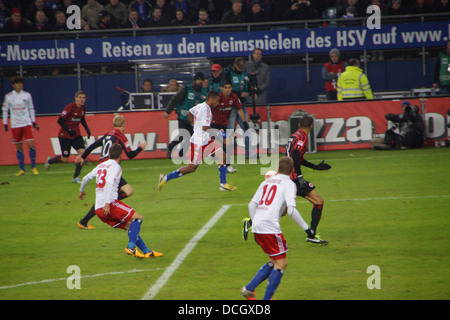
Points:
(77, 143)
(307, 187)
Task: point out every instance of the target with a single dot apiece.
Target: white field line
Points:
(81, 277)
(153, 291)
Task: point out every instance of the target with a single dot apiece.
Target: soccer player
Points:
(296, 149)
(274, 197)
(200, 117)
(111, 210)
(20, 104)
(221, 115)
(69, 134)
(105, 142)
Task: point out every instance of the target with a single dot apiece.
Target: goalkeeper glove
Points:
(6, 127)
(35, 125)
(322, 166)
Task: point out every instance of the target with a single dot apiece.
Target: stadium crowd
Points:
(18, 16)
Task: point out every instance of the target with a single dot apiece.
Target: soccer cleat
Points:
(246, 227)
(227, 187)
(317, 241)
(162, 181)
(153, 254)
(230, 169)
(47, 163)
(35, 171)
(134, 252)
(20, 173)
(76, 180)
(249, 295)
(86, 226)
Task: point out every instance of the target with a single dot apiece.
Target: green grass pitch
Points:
(388, 209)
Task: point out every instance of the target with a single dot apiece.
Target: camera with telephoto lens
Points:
(252, 90)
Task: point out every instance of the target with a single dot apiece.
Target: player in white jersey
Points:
(274, 198)
(20, 104)
(201, 117)
(112, 211)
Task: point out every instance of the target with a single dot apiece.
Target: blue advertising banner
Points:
(273, 42)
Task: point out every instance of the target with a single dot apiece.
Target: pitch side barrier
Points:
(338, 126)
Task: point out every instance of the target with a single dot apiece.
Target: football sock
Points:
(141, 245)
(78, 168)
(262, 274)
(32, 153)
(316, 214)
(272, 283)
(223, 174)
(88, 216)
(55, 159)
(173, 175)
(20, 157)
(133, 232)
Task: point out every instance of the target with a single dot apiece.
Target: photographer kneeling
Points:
(408, 131)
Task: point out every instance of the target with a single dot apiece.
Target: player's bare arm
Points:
(82, 195)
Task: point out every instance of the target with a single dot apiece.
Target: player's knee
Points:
(137, 216)
(64, 159)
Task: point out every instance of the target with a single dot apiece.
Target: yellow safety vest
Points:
(353, 84)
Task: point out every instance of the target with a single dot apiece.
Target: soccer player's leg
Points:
(29, 139)
(316, 214)
(84, 222)
(224, 185)
(78, 145)
(135, 240)
(18, 142)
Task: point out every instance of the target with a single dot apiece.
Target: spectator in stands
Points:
(261, 71)
(117, 10)
(441, 74)
(301, 10)
(40, 5)
(63, 5)
(257, 13)
(185, 5)
(41, 23)
(215, 82)
(134, 20)
(5, 13)
(421, 7)
(215, 9)
(173, 86)
(380, 4)
(143, 8)
(107, 21)
(165, 9)
(396, 8)
(265, 5)
(353, 83)
(357, 12)
(90, 12)
(180, 19)
(147, 86)
(331, 71)
(61, 20)
(203, 18)
(156, 20)
(234, 15)
(442, 6)
(16, 23)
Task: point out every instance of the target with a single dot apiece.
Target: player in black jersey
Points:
(114, 136)
(296, 149)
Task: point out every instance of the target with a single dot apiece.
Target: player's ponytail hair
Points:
(285, 165)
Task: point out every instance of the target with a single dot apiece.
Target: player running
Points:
(105, 142)
(296, 149)
(20, 104)
(111, 210)
(274, 197)
(221, 115)
(70, 135)
(201, 117)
